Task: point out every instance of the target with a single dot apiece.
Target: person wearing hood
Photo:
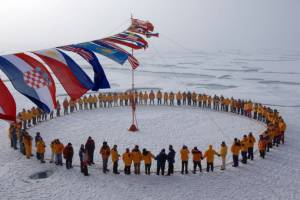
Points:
(171, 160)
(127, 159)
(197, 157)
(40, 149)
(68, 155)
(210, 156)
(147, 157)
(105, 153)
(115, 159)
(184, 154)
(161, 162)
(235, 150)
(223, 154)
(90, 147)
(136, 158)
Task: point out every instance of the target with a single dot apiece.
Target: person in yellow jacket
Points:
(197, 157)
(127, 159)
(151, 97)
(210, 157)
(58, 149)
(251, 142)
(147, 158)
(194, 98)
(136, 158)
(53, 155)
(171, 97)
(159, 97)
(223, 154)
(145, 97)
(184, 155)
(115, 159)
(27, 139)
(244, 149)
(235, 150)
(178, 98)
(166, 98)
(40, 149)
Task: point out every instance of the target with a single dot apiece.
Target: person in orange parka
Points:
(210, 156)
(147, 157)
(127, 159)
(105, 153)
(58, 149)
(197, 157)
(251, 142)
(27, 139)
(235, 150)
(136, 158)
(262, 146)
(40, 149)
(184, 154)
(115, 159)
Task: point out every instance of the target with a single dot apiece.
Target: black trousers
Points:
(91, 157)
(244, 157)
(197, 164)
(209, 165)
(147, 168)
(127, 170)
(160, 168)
(115, 167)
(250, 153)
(170, 168)
(69, 163)
(184, 167)
(235, 159)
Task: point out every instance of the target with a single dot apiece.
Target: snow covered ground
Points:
(271, 78)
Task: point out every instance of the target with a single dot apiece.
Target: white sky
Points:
(196, 24)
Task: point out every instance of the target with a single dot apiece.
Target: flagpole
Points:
(133, 127)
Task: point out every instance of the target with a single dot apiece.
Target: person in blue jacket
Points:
(161, 159)
(171, 160)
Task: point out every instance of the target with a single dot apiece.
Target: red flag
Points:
(141, 27)
(7, 104)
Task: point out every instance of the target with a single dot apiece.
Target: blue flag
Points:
(100, 80)
(106, 50)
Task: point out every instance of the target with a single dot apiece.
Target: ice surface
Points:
(277, 177)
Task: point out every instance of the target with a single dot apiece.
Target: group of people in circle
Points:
(272, 136)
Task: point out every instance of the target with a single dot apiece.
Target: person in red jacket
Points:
(68, 155)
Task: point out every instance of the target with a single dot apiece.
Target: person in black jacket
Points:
(90, 148)
(161, 159)
(171, 160)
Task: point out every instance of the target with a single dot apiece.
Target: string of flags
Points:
(32, 79)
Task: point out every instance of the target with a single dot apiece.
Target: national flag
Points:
(100, 80)
(31, 78)
(128, 39)
(73, 79)
(106, 50)
(7, 104)
(142, 27)
(131, 59)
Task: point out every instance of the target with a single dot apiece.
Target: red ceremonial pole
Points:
(133, 127)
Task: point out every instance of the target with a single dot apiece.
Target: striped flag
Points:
(131, 59)
(100, 80)
(128, 39)
(73, 79)
(7, 104)
(31, 78)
